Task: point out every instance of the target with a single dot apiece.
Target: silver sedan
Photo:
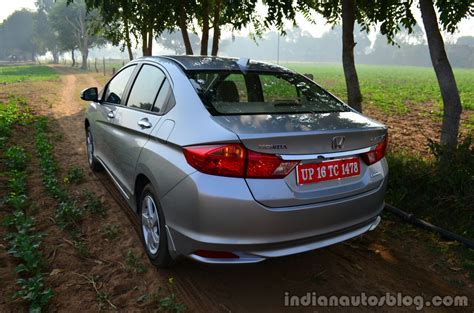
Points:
(234, 161)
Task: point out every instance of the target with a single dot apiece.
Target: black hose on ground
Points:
(416, 221)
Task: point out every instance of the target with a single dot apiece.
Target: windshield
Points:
(240, 93)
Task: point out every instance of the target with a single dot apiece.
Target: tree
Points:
(348, 12)
(142, 19)
(333, 11)
(45, 37)
(211, 15)
(182, 17)
(450, 13)
(17, 35)
(64, 33)
(204, 16)
(173, 40)
(76, 27)
(354, 96)
(118, 33)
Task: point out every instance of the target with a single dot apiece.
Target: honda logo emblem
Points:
(338, 142)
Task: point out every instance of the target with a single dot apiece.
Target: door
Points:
(135, 122)
(105, 119)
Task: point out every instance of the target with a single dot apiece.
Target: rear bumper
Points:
(258, 253)
(206, 212)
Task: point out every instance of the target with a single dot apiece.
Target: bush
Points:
(74, 175)
(439, 189)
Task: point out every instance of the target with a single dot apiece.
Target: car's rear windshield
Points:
(241, 93)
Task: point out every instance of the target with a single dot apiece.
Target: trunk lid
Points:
(304, 136)
(303, 133)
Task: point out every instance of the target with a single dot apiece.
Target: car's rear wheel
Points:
(94, 164)
(152, 228)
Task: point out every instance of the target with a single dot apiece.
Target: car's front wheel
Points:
(153, 231)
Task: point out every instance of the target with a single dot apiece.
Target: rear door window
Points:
(145, 88)
(163, 97)
(117, 86)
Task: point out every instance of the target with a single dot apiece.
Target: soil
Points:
(394, 258)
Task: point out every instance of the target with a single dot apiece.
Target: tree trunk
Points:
(205, 27)
(217, 29)
(127, 39)
(447, 83)
(184, 32)
(55, 54)
(144, 43)
(144, 46)
(147, 47)
(73, 58)
(354, 96)
(150, 43)
(85, 54)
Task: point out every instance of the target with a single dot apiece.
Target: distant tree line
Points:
(298, 45)
(55, 27)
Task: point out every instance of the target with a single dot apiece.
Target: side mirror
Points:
(90, 94)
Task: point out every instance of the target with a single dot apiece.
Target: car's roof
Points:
(209, 63)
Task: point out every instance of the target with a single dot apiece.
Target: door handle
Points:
(111, 114)
(144, 123)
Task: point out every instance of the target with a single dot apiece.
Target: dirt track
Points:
(394, 258)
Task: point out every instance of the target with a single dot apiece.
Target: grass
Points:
(164, 303)
(23, 240)
(81, 248)
(69, 214)
(133, 263)
(93, 204)
(391, 88)
(74, 175)
(20, 73)
(13, 112)
(110, 232)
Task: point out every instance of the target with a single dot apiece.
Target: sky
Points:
(466, 27)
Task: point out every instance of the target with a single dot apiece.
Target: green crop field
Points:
(391, 88)
(13, 74)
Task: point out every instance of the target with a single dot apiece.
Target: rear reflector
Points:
(215, 254)
(377, 154)
(236, 161)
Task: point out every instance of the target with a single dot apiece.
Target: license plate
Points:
(327, 170)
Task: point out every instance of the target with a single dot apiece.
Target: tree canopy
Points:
(76, 27)
(17, 35)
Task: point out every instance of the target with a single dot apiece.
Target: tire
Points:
(152, 228)
(94, 164)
